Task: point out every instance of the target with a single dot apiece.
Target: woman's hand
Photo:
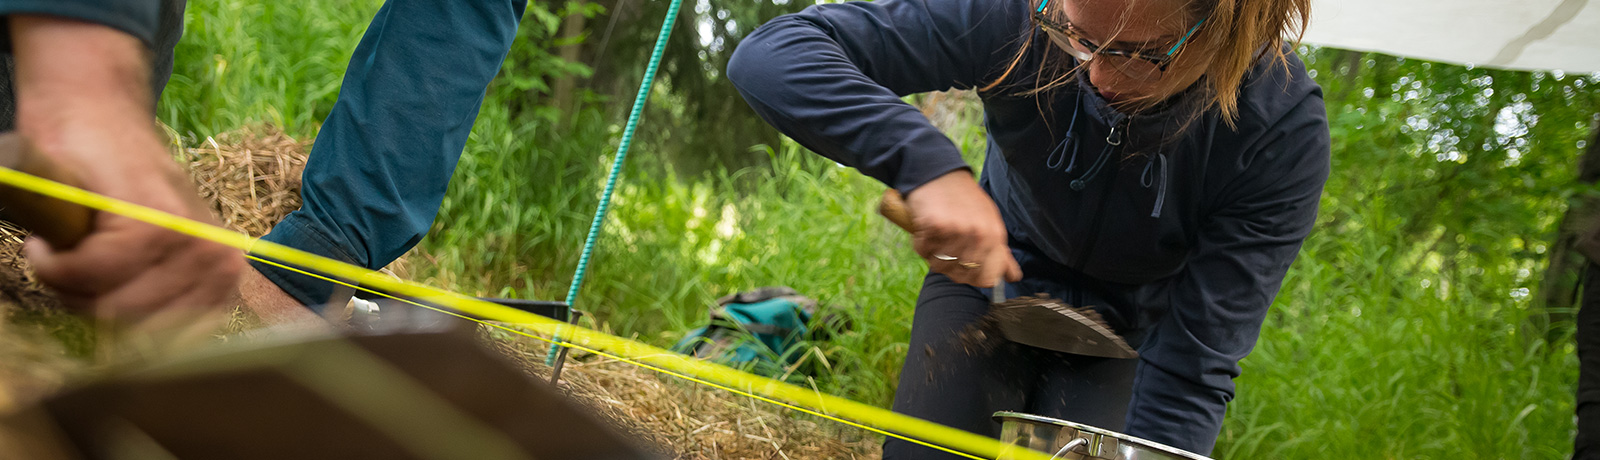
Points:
(959, 231)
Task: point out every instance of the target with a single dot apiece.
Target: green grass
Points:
(1359, 358)
(243, 63)
(1357, 361)
(671, 246)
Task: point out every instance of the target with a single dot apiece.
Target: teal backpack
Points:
(758, 331)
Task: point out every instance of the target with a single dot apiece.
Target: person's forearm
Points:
(83, 100)
(75, 77)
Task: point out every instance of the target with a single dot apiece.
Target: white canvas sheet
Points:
(1518, 34)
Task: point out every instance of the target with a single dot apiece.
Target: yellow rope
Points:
(832, 407)
(615, 357)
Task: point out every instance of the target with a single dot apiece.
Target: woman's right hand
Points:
(959, 231)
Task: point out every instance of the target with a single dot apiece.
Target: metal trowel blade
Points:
(1052, 325)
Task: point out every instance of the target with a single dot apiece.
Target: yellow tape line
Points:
(833, 407)
(618, 358)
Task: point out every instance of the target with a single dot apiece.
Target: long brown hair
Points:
(1236, 34)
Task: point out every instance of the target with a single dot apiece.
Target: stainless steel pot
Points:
(1072, 441)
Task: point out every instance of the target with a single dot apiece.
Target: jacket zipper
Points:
(1114, 138)
(1094, 238)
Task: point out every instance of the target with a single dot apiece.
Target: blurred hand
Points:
(959, 231)
(83, 100)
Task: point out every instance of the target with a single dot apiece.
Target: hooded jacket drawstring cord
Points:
(1161, 188)
(1060, 152)
(1113, 140)
(1099, 162)
(1157, 164)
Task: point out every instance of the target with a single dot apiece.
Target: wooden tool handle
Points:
(893, 207)
(60, 223)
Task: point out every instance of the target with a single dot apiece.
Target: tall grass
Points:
(1358, 359)
(1367, 352)
(242, 63)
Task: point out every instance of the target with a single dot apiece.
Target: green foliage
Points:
(525, 83)
(1400, 329)
(243, 63)
(1398, 333)
(698, 119)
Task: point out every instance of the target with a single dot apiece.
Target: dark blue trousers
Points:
(383, 159)
(949, 381)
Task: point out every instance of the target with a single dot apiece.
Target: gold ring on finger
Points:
(970, 265)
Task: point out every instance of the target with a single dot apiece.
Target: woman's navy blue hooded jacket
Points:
(1182, 238)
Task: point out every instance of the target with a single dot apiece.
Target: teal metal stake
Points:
(558, 353)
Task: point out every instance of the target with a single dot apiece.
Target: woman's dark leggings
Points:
(960, 382)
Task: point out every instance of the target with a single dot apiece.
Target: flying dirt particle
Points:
(981, 337)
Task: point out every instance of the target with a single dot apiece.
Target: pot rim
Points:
(1004, 416)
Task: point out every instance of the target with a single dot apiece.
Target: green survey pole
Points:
(558, 353)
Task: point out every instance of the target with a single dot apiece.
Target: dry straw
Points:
(252, 179)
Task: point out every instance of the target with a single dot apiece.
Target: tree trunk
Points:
(566, 85)
(1558, 289)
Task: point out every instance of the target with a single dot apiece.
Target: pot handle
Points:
(1073, 444)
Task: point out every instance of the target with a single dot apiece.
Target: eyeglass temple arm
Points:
(1185, 35)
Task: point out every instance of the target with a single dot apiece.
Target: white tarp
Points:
(1518, 34)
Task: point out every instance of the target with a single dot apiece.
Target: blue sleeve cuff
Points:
(918, 171)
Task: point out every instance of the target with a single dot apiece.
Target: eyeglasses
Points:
(1140, 65)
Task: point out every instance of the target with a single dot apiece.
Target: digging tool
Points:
(1037, 321)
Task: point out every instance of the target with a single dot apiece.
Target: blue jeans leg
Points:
(383, 159)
